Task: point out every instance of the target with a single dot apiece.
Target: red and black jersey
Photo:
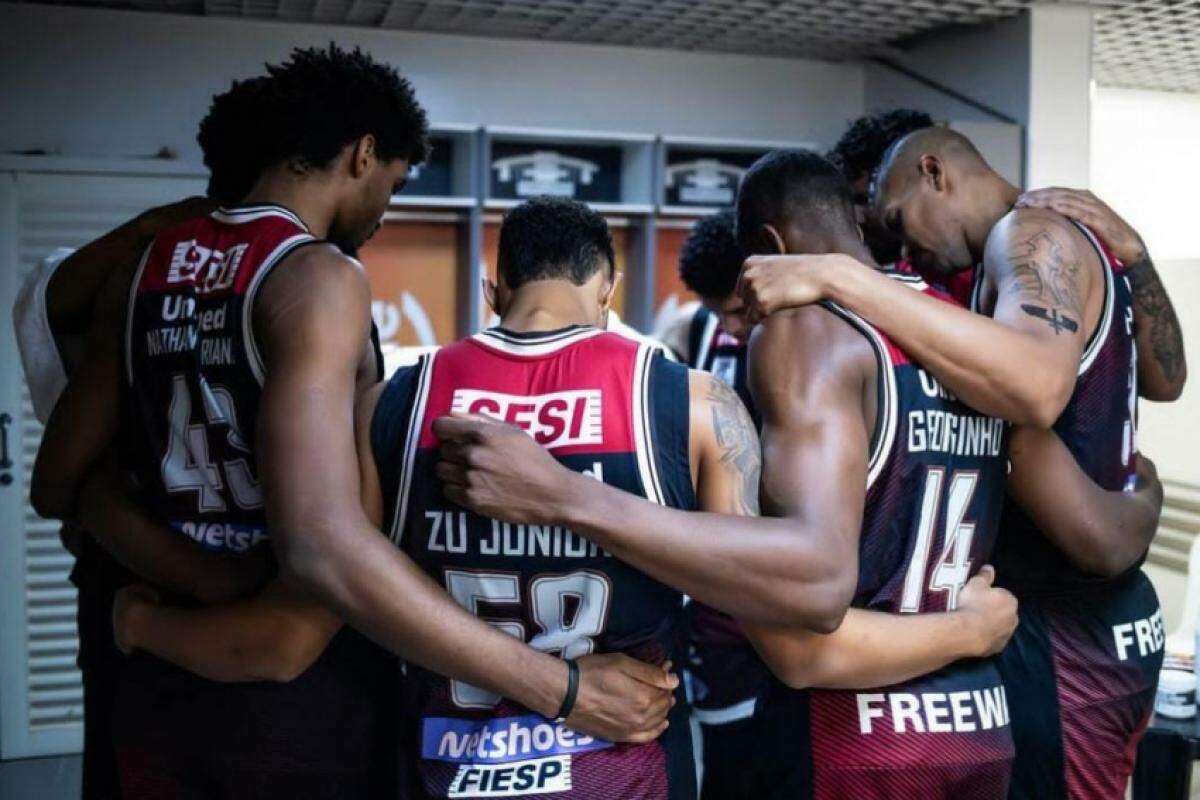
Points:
(714, 350)
(195, 371)
(1098, 426)
(606, 406)
(935, 489)
(195, 380)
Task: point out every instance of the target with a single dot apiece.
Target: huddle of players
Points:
(532, 580)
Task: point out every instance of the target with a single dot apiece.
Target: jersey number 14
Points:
(953, 567)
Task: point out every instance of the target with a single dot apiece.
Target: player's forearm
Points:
(755, 568)
(991, 367)
(162, 557)
(870, 649)
(217, 643)
(1162, 366)
(1102, 532)
(380, 591)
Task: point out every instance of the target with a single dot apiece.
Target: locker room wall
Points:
(83, 60)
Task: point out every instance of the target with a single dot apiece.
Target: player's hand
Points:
(126, 603)
(772, 283)
(1083, 206)
(991, 613)
(499, 471)
(157, 219)
(622, 699)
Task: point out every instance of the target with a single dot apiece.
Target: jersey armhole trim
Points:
(416, 423)
(1104, 324)
(249, 340)
(647, 460)
(886, 396)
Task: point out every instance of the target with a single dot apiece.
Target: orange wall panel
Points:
(413, 270)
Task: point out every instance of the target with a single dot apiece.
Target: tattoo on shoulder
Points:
(1152, 307)
(1043, 272)
(738, 442)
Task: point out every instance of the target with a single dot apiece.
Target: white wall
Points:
(97, 82)
(1146, 164)
(1060, 78)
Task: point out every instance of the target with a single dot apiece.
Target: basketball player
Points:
(725, 675)
(829, 417)
(1060, 309)
(858, 153)
(206, 329)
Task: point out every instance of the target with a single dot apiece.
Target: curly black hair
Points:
(862, 146)
(553, 238)
(711, 260)
(308, 108)
(789, 185)
(227, 138)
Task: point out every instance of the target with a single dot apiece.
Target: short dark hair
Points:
(787, 183)
(306, 109)
(549, 238)
(711, 260)
(861, 148)
(228, 139)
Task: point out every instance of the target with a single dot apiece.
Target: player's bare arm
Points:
(825, 366)
(796, 569)
(1162, 367)
(1020, 365)
(313, 316)
(873, 648)
(1102, 532)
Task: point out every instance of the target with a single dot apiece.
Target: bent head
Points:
(710, 264)
(858, 154)
(928, 190)
(796, 202)
(561, 249)
(349, 124)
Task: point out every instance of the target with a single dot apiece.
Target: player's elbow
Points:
(823, 606)
(1107, 561)
(1045, 403)
(279, 658)
(48, 498)
(307, 558)
(1164, 389)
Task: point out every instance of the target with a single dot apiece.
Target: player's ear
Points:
(361, 155)
(933, 171)
(774, 240)
(610, 291)
(491, 294)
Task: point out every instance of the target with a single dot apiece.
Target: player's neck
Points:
(298, 193)
(994, 197)
(547, 306)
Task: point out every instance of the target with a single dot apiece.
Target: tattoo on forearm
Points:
(737, 440)
(1042, 271)
(1152, 309)
(1052, 317)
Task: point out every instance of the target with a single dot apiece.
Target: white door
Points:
(41, 699)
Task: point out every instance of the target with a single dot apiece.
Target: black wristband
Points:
(568, 703)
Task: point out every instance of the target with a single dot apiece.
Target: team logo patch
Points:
(519, 778)
(207, 269)
(557, 419)
(501, 740)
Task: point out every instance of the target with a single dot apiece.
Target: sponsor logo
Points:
(521, 778)
(965, 711)
(545, 172)
(222, 535)
(501, 740)
(1146, 634)
(206, 269)
(557, 419)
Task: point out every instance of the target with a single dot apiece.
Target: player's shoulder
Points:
(322, 269)
(1031, 230)
(811, 328)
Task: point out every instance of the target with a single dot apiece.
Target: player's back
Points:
(195, 374)
(602, 405)
(935, 487)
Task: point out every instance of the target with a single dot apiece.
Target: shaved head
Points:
(934, 189)
(901, 165)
